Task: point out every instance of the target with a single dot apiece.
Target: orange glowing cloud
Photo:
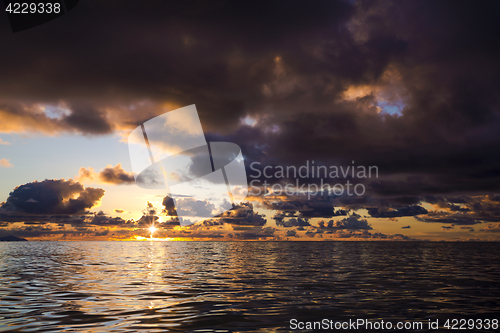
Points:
(109, 175)
(4, 163)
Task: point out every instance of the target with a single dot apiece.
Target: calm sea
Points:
(241, 286)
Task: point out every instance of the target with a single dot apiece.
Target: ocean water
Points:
(242, 286)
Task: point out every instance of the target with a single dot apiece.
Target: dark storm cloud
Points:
(404, 211)
(322, 210)
(155, 54)
(36, 200)
(449, 125)
(86, 119)
(169, 204)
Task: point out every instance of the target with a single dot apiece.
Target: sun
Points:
(152, 229)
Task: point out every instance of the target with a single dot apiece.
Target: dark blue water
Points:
(241, 286)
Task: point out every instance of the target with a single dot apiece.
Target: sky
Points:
(409, 88)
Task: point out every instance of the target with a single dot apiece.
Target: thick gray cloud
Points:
(353, 222)
(399, 212)
(169, 204)
(462, 210)
(101, 219)
(315, 206)
(149, 216)
(293, 222)
(50, 197)
(243, 214)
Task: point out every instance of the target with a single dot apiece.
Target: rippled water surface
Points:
(240, 286)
